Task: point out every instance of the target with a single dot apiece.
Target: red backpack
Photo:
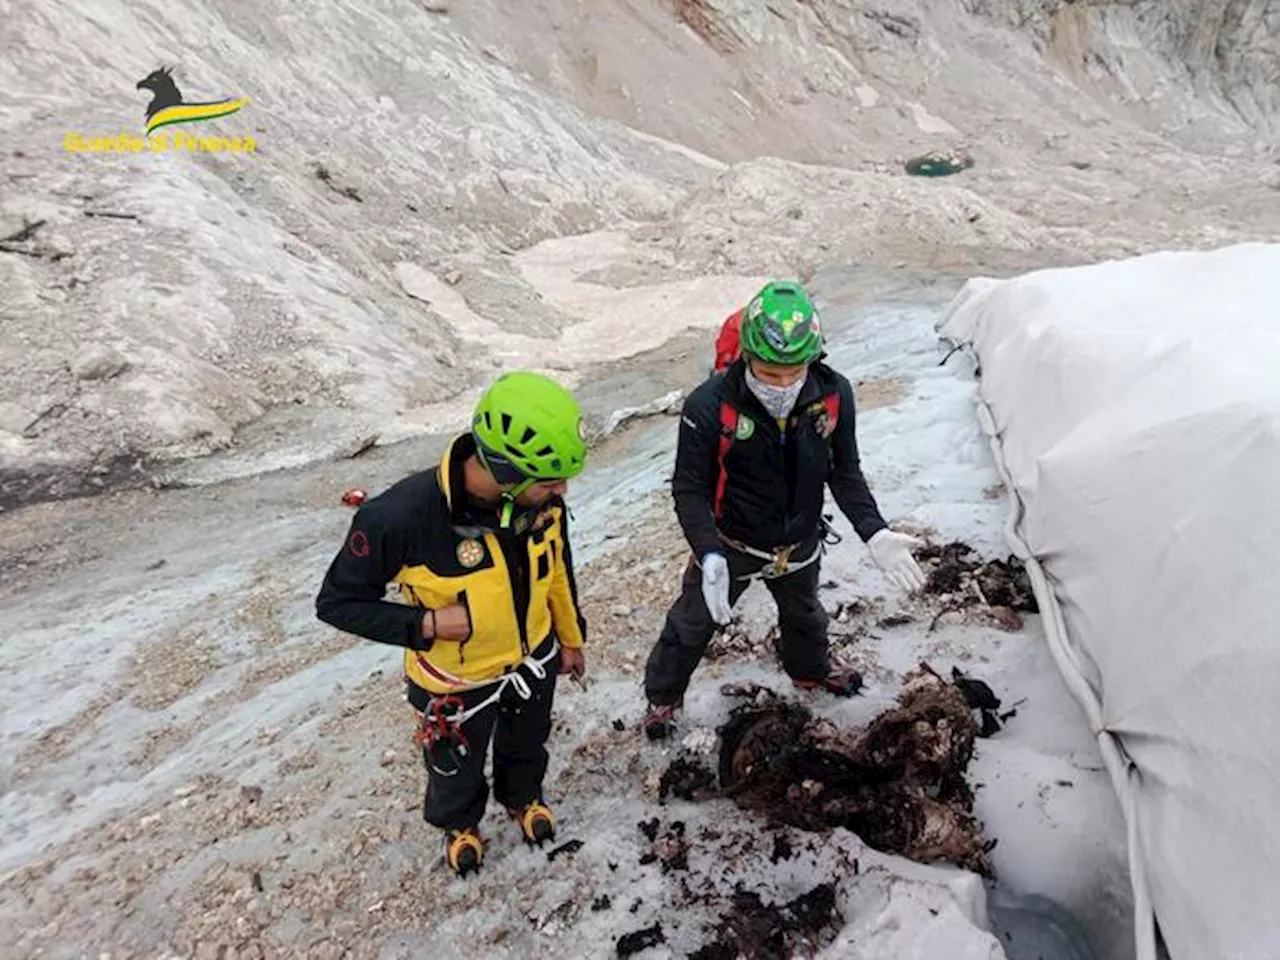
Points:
(727, 349)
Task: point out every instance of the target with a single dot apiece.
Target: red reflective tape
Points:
(437, 674)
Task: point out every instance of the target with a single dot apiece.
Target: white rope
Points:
(515, 679)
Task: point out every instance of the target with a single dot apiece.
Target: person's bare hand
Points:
(452, 623)
(573, 662)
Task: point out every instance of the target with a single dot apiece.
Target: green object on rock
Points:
(938, 164)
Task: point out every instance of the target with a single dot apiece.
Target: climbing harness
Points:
(440, 733)
(778, 563)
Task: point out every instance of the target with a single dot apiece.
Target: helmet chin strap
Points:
(509, 501)
(506, 512)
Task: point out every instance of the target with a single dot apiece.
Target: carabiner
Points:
(441, 735)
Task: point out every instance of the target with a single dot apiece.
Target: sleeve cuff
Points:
(416, 641)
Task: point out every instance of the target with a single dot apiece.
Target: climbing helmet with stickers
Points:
(528, 428)
(781, 325)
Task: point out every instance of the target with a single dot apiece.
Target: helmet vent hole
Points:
(545, 451)
(529, 434)
(506, 423)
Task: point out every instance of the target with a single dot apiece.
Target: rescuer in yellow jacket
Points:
(488, 613)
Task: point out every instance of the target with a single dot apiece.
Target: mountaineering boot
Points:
(463, 851)
(660, 722)
(536, 822)
(843, 682)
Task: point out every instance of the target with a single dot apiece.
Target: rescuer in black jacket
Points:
(758, 445)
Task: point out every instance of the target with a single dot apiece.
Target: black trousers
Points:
(802, 622)
(457, 791)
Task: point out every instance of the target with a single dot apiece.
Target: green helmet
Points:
(529, 428)
(780, 325)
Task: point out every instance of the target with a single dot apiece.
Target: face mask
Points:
(777, 400)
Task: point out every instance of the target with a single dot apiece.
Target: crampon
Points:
(536, 822)
(463, 851)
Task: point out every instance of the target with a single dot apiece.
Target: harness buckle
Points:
(780, 564)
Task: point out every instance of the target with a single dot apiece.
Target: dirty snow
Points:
(280, 758)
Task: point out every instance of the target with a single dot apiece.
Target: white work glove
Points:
(892, 553)
(715, 586)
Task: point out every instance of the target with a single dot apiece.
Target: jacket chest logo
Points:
(746, 427)
(822, 421)
(470, 553)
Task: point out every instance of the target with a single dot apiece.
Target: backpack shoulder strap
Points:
(728, 430)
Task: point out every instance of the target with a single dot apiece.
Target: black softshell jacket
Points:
(775, 479)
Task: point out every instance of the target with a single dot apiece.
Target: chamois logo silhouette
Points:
(167, 106)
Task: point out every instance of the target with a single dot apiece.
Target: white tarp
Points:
(1134, 407)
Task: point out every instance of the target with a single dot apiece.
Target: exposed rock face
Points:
(1227, 52)
(256, 299)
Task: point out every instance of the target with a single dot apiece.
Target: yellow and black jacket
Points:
(426, 536)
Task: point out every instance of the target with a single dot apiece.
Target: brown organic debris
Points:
(688, 778)
(997, 590)
(672, 848)
(899, 784)
(753, 930)
(736, 644)
(565, 849)
(639, 940)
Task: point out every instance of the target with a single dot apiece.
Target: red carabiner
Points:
(438, 724)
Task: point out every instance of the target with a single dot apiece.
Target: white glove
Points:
(892, 553)
(715, 586)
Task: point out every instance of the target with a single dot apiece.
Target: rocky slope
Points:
(179, 305)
